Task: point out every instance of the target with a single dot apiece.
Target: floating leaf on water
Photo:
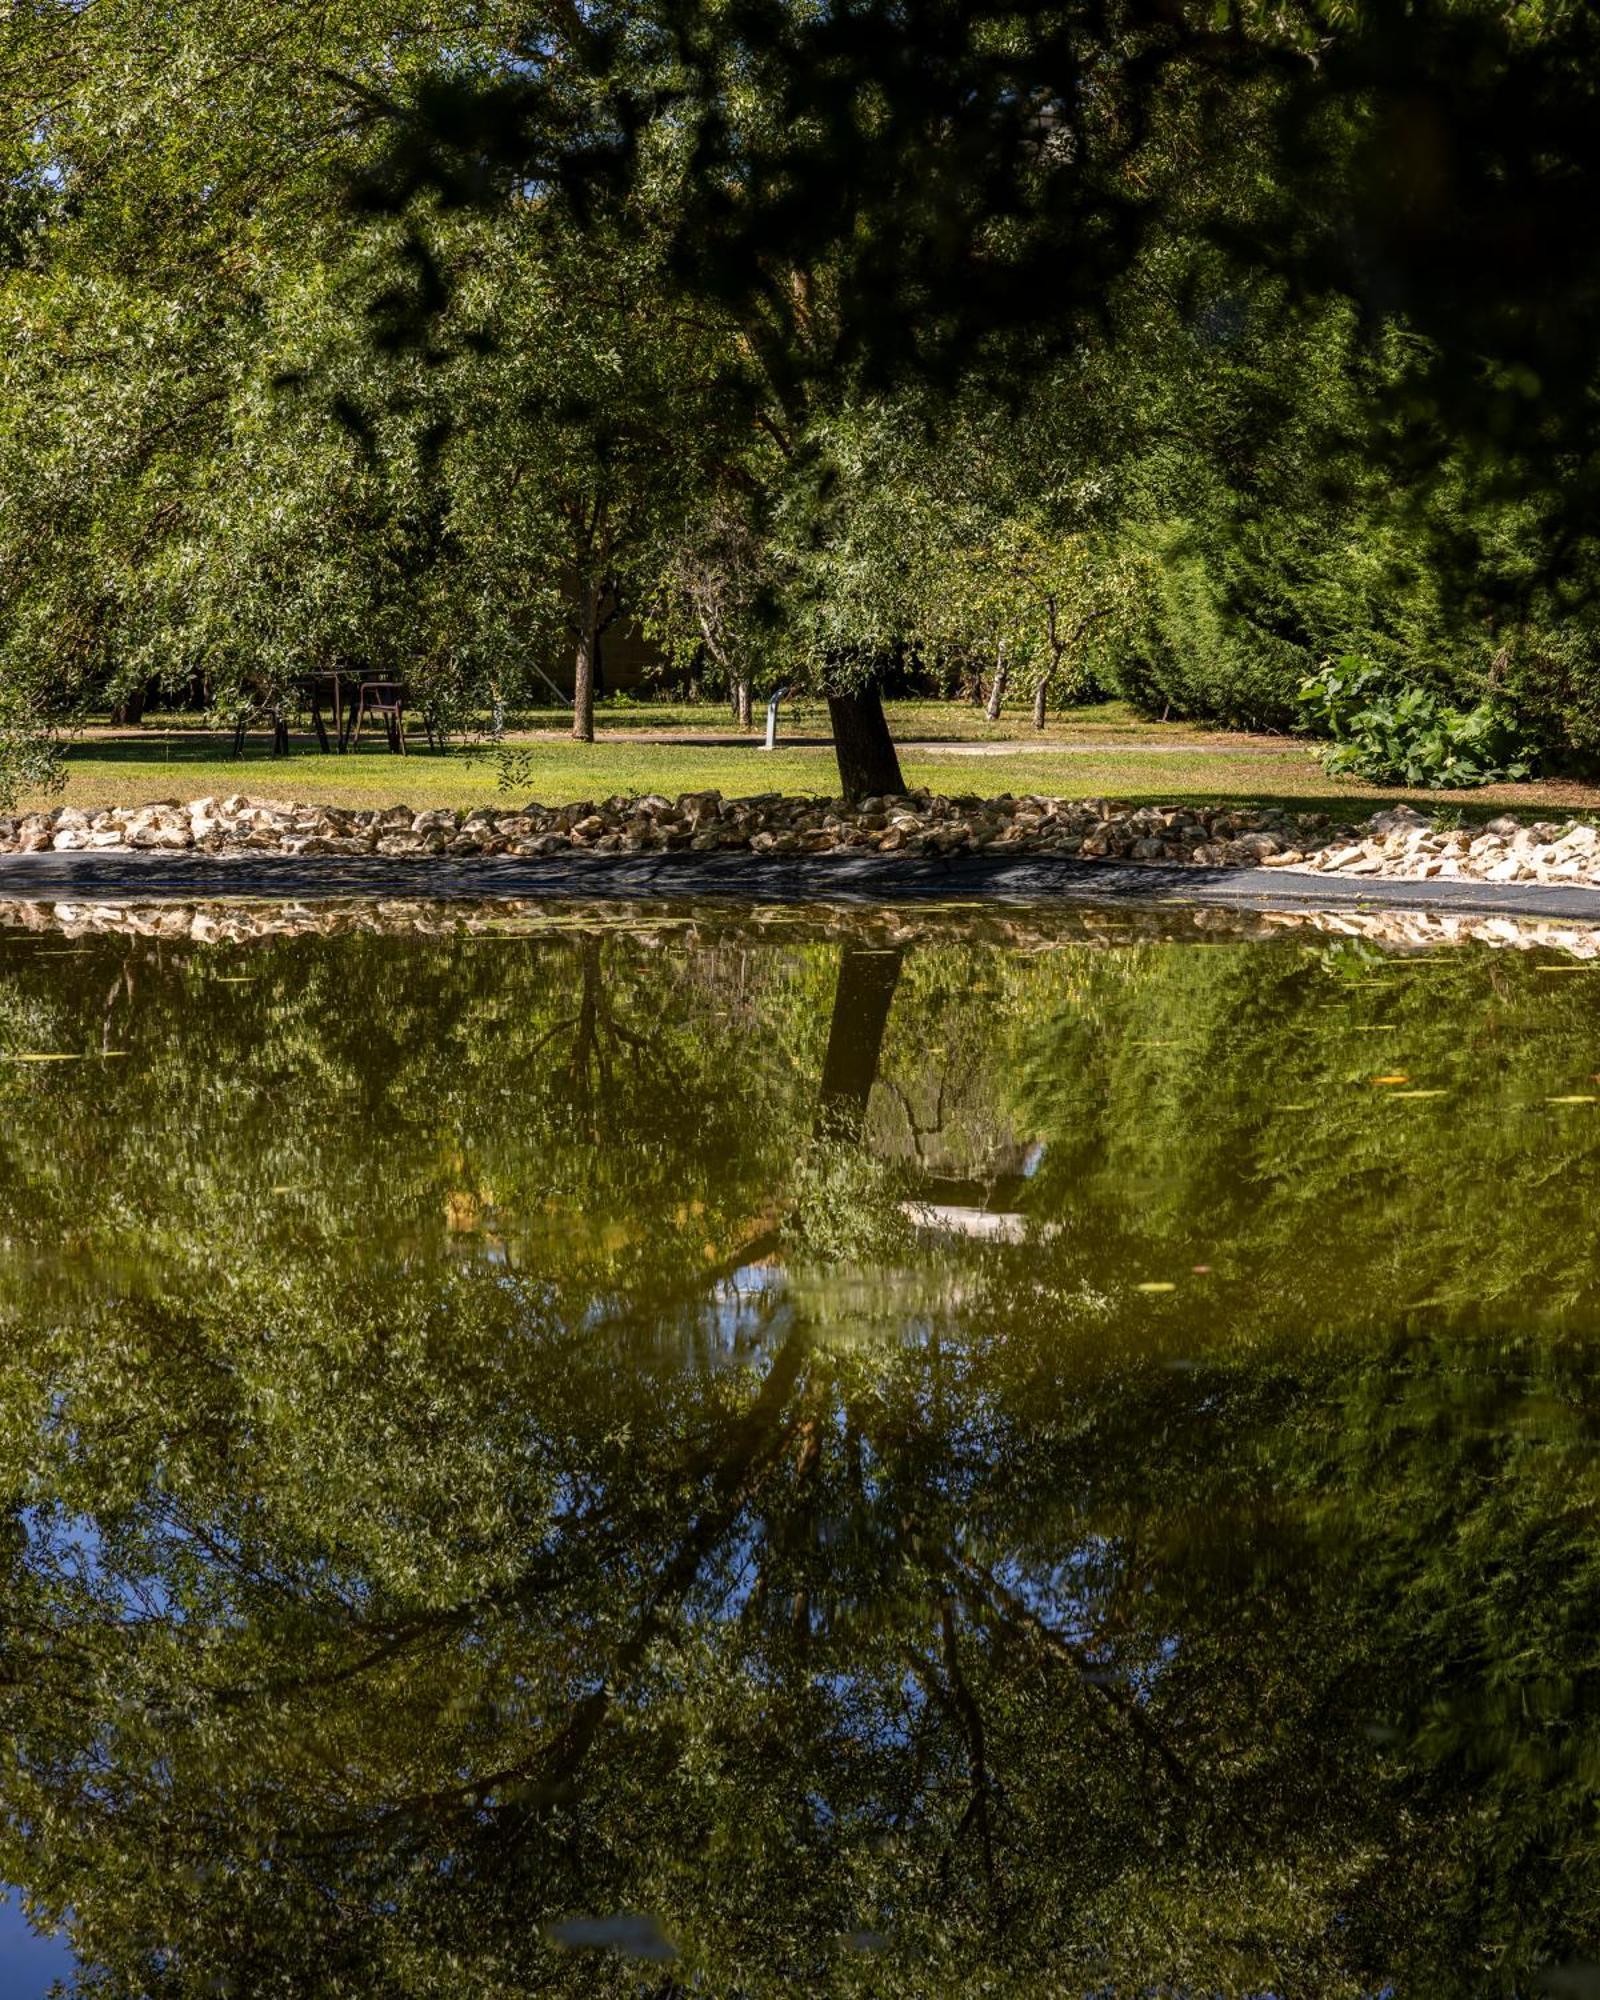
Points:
(1398, 1077)
(1155, 1285)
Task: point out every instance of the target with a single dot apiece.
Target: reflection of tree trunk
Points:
(861, 1003)
(586, 1045)
(753, 1443)
(868, 764)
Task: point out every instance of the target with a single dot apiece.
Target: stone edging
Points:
(1398, 844)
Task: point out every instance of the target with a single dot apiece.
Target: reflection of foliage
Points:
(844, 1205)
(570, 1099)
(1219, 1107)
(367, 1613)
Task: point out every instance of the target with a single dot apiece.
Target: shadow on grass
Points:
(152, 748)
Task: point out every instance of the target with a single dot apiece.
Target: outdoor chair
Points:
(386, 700)
(262, 708)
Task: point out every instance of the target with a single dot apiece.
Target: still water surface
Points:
(665, 1454)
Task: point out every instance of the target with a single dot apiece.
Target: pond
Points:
(647, 1451)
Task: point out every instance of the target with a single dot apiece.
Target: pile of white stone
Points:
(699, 822)
(1399, 843)
(1403, 843)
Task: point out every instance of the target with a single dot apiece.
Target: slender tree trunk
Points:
(861, 1003)
(997, 687)
(1060, 645)
(583, 682)
(741, 700)
(868, 764)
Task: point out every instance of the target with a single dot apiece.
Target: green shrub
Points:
(1408, 735)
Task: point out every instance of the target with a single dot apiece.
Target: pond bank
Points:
(1396, 844)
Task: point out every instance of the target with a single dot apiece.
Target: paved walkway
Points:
(749, 878)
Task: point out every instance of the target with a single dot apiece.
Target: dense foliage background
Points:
(1172, 352)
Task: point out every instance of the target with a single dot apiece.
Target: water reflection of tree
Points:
(1051, 1645)
(927, 1643)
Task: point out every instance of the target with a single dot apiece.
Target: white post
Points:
(772, 719)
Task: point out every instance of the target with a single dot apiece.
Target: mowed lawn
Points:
(1103, 752)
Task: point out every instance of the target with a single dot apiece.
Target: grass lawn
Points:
(922, 720)
(1093, 753)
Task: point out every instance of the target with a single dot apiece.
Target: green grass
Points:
(1161, 764)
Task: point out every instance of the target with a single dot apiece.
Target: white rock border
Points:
(1398, 844)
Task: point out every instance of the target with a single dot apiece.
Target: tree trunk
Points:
(741, 700)
(129, 712)
(861, 1003)
(997, 687)
(583, 681)
(868, 765)
(1040, 696)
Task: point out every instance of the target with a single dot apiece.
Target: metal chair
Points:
(388, 700)
(262, 706)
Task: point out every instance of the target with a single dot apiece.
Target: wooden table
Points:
(342, 686)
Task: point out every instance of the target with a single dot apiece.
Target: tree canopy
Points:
(1174, 349)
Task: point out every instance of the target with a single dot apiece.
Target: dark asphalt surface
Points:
(751, 878)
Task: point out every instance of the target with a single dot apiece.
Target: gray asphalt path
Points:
(750, 878)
